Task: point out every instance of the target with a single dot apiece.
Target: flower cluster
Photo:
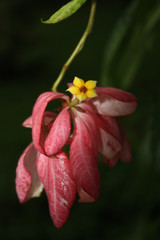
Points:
(93, 112)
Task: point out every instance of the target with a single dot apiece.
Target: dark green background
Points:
(122, 51)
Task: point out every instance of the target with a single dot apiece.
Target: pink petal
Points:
(28, 122)
(109, 134)
(110, 140)
(117, 94)
(109, 146)
(48, 118)
(83, 162)
(91, 126)
(105, 131)
(114, 102)
(112, 125)
(38, 113)
(55, 174)
(70, 84)
(28, 183)
(59, 133)
(108, 124)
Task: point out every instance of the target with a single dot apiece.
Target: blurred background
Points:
(122, 51)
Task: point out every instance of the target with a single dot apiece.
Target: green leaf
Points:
(66, 11)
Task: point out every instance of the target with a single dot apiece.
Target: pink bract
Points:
(96, 129)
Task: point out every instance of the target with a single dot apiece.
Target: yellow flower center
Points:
(83, 90)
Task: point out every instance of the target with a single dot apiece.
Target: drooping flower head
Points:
(93, 112)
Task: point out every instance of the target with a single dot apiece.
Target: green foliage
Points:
(130, 39)
(66, 11)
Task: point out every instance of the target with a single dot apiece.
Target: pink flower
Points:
(96, 129)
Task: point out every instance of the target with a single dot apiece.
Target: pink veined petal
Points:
(104, 129)
(48, 118)
(91, 126)
(109, 135)
(38, 113)
(69, 140)
(109, 146)
(117, 94)
(28, 122)
(55, 174)
(107, 124)
(47, 122)
(28, 183)
(112, 125)
(114, 102)
(83, 163)
(59, 133)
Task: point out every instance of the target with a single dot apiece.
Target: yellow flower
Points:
(83, 90)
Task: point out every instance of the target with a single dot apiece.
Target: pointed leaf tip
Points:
(64, 12)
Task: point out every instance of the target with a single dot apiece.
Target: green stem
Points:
(78, 47)
(74, 102)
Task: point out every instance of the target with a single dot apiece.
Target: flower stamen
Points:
(83, 89)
